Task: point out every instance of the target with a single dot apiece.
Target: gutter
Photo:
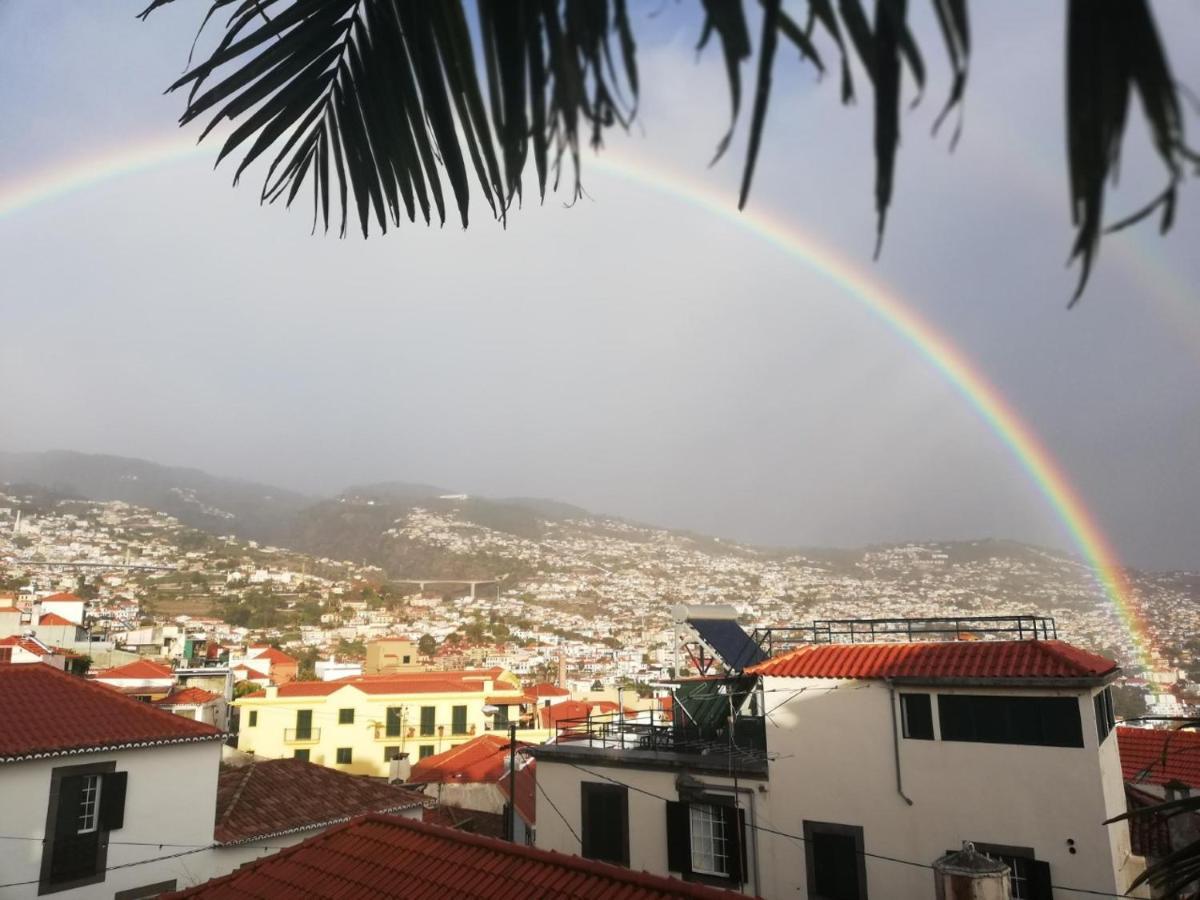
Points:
(896, 743)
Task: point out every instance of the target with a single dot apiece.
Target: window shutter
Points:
(679, 838)
(112, 800)
(1039, 880)
(735, 832)
(66, 817)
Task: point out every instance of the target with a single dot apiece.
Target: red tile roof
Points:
(1154, 756)
(139, 669)
(939, 660)
(472, 821)
(439, 683)
(188, 696)
(49, 713)
(63, 595)
(26, 644)
(54, 619)
(276, 657)
(281, 796)
(480, 760)
(546, 689)
(568, 709)
(373, 856)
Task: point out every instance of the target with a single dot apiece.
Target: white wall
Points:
(185, 773)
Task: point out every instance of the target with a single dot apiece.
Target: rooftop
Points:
(140, 669)
(368, 857)
(188, 696)
(51, 618)
(281, 796)
(1156, 756)
(49, 713)
(406, 683)
(1021, 660)
(481, 759)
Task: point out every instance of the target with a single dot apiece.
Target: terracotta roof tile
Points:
(26, 644)
(142, 669)
(63, 595)
(545, 689)
(480, 760)
(369, 857)
(188, 696)
(51, 618)
(47, 712)
(938, 660)
(285, 795)
(1156, 756)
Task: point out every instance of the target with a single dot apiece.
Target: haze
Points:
(631, 354)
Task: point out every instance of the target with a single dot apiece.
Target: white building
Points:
(850, 768)
(85, 777)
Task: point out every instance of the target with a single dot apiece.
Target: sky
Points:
(633, 353)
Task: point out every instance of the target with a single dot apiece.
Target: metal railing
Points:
(301, 735)
(640, 733)
(773, 640)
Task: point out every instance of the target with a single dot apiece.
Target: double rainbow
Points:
(1049, 477)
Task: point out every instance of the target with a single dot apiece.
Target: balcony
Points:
(646, 740)
(301, 735)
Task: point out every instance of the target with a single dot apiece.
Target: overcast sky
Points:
(632, 354)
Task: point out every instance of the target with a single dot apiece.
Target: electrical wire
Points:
(797, 837)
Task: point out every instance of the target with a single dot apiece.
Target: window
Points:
(605, 820)
(1038, 721)
(85, 804)
(1029, 878)
(458, 720)
(424, 750)
(301, 755)
(407, 659)
(253, 719)
(303, 724)
(916, 714)
(345, 716)
(394, 716)
(501, 719)
(1106, 717)
(146, 891)
(834, 861)
(705, 840)
(5, 654)
(345, 755)
(427, 720)
(390, 753)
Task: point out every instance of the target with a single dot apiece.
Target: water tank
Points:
(969, 875)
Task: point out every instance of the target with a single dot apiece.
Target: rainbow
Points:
(1049, 477)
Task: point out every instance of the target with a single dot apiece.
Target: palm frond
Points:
(384, 104)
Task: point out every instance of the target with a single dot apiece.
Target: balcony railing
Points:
(642, 732)
(301, 735)
(1021, 627)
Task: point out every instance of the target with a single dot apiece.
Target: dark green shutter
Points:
(735, 844)
(427, 720)
(1039, 880)
(393, 721)
(112, 800)
(679, 838)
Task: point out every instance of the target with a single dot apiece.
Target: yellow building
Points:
(359, 725)
(392, 654)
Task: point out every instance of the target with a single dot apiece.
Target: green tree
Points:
(427, 645)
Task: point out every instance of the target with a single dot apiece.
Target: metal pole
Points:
(512, 781)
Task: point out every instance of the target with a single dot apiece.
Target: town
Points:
(595, 652)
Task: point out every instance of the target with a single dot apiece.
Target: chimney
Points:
(562, 670)
(969, 875)
(272, 692)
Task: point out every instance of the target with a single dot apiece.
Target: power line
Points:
(804, 840)
(128, 865)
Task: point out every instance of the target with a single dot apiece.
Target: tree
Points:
(378, 103)
(427, 645)
(242, 688)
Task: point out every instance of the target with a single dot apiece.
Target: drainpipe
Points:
(896, 745)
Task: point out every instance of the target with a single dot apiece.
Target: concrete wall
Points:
(186, 773)
(833, 759)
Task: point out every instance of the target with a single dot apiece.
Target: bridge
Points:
(473, 583)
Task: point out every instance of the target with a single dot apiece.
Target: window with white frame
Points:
(89, 805)
(710, 845)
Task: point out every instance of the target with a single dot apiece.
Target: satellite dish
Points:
(489, 710)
